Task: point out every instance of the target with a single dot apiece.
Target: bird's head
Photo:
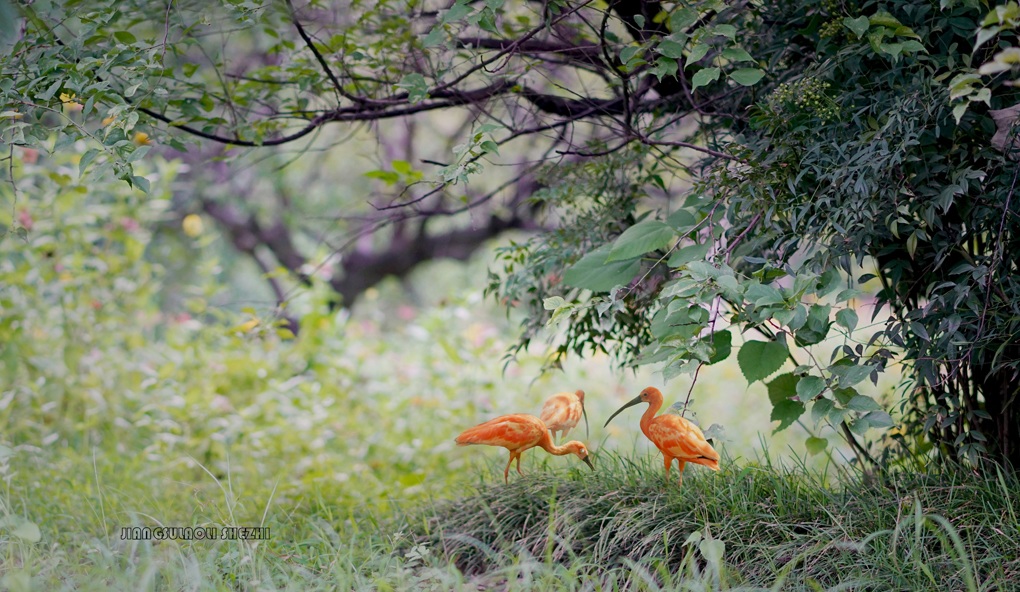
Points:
(580, 395)
(579, 449)
(649, 394)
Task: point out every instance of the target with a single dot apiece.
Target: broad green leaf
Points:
(592, 272)
(697, 52)
(782, 387)
(681, 19)
(459, 10)
(746, 76)
(810, 387)
(786, 412)
(722, 343)
(704, 77)
(820, 409)
(416, 87)
(763, 295)
(815, 445)
(670, 49)
(859, 26)
(851, 375)
(816, 327)
(688, 254)
(664, 67)
(737, 54)
(712, 550)
(681, 220)
(645, 236)
(28, 531)
(863, 403)
(124, 37)
(847, 318)
(760, 359)
(879, 419)
(553, 302)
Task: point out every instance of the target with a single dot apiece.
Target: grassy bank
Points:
(560, 527)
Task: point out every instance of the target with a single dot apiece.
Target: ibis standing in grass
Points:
(518, 433)
(673, 435)
(562, 411)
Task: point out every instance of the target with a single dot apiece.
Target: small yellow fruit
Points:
(108, 120)
(192, 225)
(142, 139)
(69, 103)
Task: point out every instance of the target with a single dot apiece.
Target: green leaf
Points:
(681, 19)
(712, 550)
(553, 302)
(816, 326)
(879, 419)
(697, 52)
(682, 220)
(414, 84)
(786, 412)
(820, 409)
(688, 254)
(759, 359)
(124, 37)
(649, 235)
(847, 318)
(859, 26)
(737, 54)
(458, 11)
(27, 531)
(746, 76)
(863, 403)
(670, 49)
(763, 295)
(86, 160)
(722, 343)
(851, 375)
(664, 67)
(592, 272)
(783, 387)
(704, 77)
(815, 445)
(810, 387)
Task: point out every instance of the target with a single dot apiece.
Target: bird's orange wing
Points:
(509, 431)
(561, 411)
(682, 439)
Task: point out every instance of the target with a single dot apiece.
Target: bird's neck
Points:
(649, 415)
(546, 444)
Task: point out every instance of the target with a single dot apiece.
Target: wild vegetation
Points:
(806, 202)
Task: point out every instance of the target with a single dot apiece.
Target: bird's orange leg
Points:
(669, 462)
(506, 471)
(681, 464)
(519, 464)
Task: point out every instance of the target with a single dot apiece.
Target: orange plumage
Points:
(562, 411)
(518, 433)
(673, 435)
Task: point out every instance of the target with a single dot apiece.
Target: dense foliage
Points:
(834, 143)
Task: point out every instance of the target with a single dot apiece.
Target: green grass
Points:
(756, 526)
(560, 527)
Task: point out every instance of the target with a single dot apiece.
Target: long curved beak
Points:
(587, 461)
(630, 403)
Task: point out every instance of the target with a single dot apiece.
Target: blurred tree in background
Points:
(690, 171)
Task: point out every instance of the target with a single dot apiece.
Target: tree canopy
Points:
(697, 177)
